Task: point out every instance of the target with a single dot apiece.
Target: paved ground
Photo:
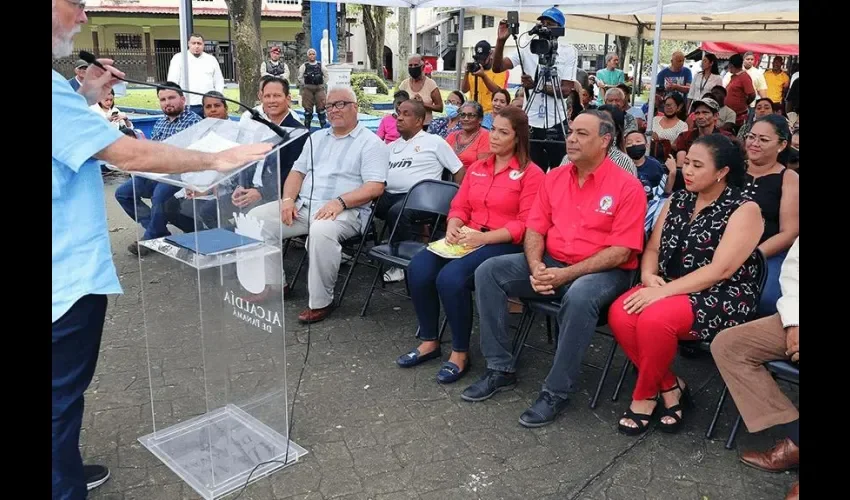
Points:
(375, 431)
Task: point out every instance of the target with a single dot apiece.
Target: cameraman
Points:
(544, 125)
(480, 72)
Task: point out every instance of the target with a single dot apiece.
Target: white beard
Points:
(63, 43)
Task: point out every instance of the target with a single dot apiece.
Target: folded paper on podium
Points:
(213, 317)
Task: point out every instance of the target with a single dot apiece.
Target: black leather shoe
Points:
(490, 383)
(543, 411)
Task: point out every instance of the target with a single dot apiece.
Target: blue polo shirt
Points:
(82, 256)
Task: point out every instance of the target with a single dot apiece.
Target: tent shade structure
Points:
(725, 49)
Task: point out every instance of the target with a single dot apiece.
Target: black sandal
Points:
(684, 402)
(638, 419)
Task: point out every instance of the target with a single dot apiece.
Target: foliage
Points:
(375, 23)
(665, 52)
(364, 101)
(368, 79)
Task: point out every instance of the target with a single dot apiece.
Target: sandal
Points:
(684, 402)
(638, 419)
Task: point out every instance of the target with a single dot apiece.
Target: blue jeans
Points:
(433, 279)
(76, 343)
(581, 303)
(153, 218)
(772, 291)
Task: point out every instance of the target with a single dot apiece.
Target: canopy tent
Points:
(766, 21)
(725, 49)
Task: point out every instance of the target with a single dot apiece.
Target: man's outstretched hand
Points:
(240, 155)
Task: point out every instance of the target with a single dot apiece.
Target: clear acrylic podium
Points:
(216, 361)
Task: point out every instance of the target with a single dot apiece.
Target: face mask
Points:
(451, 110)
(415, 72)
(636, 152)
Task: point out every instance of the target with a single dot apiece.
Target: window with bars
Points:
(469, 23)
(488, 21)
(128, 41)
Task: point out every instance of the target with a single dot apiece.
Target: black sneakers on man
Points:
(492, 382)
(95, 475)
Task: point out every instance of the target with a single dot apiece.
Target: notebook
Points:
(213, 241)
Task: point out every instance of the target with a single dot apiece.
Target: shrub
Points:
(365, 79)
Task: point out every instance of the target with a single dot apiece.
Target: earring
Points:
(718, 179)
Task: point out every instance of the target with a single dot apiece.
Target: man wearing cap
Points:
(480, 84)
(547, 119)
(275, 66)
(79, 74)
(706, 113)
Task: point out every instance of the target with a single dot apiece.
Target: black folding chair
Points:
(425, 196)
(550, 308)
(781, 370)
(352, 246)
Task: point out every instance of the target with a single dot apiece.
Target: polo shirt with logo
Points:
(579, 221)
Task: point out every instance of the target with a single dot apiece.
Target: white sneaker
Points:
(393, 275)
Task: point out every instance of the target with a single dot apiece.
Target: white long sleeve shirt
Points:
(788, 305)
(204, 75)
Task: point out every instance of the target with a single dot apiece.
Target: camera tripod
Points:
(548, 75)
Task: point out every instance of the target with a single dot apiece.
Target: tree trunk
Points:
(621, 44)
(404, 49)
(341, 39)
(245, 15)
(374, 22)
(303, 40)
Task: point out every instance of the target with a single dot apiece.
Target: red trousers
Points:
(650, 339)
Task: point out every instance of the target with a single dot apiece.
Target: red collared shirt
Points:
(739, 88)
(500, 201)
(577, 222)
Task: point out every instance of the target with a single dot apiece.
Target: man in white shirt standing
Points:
(204, 73)
(415, 156)
(548, 119)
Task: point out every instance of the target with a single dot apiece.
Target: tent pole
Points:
(414, 37)
(459, 49)
(656, 48)
(185, 19)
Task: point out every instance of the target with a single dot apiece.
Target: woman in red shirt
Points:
(489, 212)
(472, 142)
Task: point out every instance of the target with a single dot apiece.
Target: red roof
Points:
(726, 49)
(197, 11)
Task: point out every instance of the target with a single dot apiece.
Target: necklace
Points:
(460, 147)
(406, 143)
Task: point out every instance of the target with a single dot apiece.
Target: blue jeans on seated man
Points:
(581, 302)
(433, 279)
(772, 291)
(154, 218)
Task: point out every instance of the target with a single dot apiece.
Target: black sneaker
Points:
(543, 411)
(490, 383)
(95, 475)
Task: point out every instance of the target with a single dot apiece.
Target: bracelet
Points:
(342, 202)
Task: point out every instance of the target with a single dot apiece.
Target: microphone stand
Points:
(255, 115)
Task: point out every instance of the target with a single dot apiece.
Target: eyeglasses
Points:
(79, 4)
(467, 116)
(340, 104)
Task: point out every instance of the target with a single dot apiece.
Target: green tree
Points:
(246, 15)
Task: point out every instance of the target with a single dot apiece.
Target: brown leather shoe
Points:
(314, 315)
(784, 456)
(794, 492)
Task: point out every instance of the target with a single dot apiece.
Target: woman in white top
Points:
(110, 112)
(421, 88)
(706, 79)
(669, 126)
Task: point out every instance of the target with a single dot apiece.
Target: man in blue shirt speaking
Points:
(83, 272)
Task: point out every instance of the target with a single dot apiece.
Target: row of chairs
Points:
(435, 197)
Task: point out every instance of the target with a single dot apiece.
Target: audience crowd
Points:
(678, 227)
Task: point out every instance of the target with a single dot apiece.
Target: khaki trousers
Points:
(739, 353)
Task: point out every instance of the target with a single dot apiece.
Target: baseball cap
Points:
(274, 48)
(555, 15)
(482, 50)
(81, 64)
(708, 101)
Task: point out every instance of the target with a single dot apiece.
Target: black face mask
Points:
(636, 152)
(794, 157)
(414, 72)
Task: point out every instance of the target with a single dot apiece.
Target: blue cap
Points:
(555, 15)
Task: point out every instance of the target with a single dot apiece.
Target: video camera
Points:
(547, 39)
(473, 67)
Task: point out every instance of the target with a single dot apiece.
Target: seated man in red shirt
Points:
(582, 239)
(706, 116)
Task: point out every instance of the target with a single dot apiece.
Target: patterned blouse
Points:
(440, 126)
(687, 246)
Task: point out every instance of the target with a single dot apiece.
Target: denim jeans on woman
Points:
(433, 279)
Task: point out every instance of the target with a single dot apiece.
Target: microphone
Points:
(89, 58)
